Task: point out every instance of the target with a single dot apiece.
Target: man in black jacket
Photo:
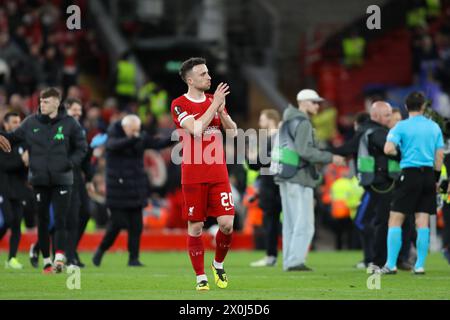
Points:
(127, 185)
(268, 191)
(79, 208)
(78, 214)
(373, 213)
(57, 144)
(363, 225)
(14, 190)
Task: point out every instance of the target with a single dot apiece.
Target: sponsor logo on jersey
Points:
(212, 130)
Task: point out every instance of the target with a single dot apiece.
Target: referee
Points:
(421, 145)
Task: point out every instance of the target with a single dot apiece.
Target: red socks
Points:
(223, 242)
(196, 253)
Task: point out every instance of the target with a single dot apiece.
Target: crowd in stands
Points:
(38, 51)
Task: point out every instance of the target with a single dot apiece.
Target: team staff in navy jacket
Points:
(127, 185)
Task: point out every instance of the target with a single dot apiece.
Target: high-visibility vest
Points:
(332, 173)
(433, 8)
(152, 100)
(339, 194)
(158, 103)
(346, 196)
(353, 50)
(416, 17)
(144, 98)
(366, 162)
(325, 124)
(126, 78)
(254, 217)
(444, 176)
(251, 175)
(354, 197)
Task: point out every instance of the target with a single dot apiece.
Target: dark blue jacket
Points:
(127, 184)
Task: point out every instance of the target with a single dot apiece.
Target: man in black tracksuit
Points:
(362, 220)
(78, 216)
(127, 185)
(14, 190)
(56, 145)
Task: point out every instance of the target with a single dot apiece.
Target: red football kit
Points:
(204, 175)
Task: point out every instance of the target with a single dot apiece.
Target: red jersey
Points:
(203, 157)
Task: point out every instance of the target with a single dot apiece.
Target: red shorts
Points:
(202, 200)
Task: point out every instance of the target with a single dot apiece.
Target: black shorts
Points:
(415, 191)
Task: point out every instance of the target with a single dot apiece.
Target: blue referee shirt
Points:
(418, 139)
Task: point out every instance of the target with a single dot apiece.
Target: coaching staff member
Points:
(78, 216)
(56, 145)
(127, 185)
(421, 144)
(14, 190)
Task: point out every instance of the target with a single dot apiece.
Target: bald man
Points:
(127, 187)
(377, 173)
(381, 113)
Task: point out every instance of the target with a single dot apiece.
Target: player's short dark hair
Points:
(9, 115)
(415, 101)
(187, 66)
(70, 101)
(50, 92)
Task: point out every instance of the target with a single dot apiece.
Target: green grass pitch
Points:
(169, 276)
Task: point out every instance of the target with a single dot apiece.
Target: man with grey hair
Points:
(297, 191)
(127, 185)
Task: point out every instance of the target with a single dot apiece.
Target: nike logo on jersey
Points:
(63, 192)
(228, 209)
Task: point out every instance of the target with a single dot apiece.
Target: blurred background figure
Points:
(268, 193)
(14, 189)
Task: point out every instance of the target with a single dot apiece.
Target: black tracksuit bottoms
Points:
(59, 197)
(130, 219)
(12, 212)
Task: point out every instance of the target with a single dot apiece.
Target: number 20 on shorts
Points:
(227, 199)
